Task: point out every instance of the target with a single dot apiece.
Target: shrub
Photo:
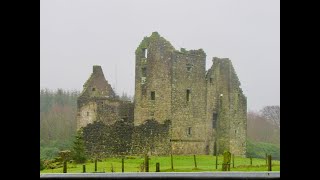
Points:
(130, 157)
(42, 167)
(78, 150)
(259, 150)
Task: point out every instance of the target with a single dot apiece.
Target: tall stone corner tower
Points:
(153, 80)
(170, 85)
(226, 108)
(95, 92)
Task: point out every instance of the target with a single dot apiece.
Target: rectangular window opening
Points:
(153, 95)
(214, 120)
(211, 80)
(188, 95)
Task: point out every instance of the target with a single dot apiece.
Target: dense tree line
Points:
(57, 121)
(264, 125)
(263, 132)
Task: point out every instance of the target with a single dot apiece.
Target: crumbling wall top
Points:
(156, 39)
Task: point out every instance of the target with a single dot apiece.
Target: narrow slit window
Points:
(188, 95)
(214, 120)
(189, 131)
(153, 95)
(211, 80)
(145, 53)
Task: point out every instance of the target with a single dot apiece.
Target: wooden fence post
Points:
(122, 164)
(233, 160)
(269, 163)
(64, 166)
(195, 161)
(84, 168)
(146, 163)
(95, 165)
(157, 167)
(171, 162)
(251, 161)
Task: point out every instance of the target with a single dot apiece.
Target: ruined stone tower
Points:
(207, 110)
(226, 108)
(98, 102)
(178, 108)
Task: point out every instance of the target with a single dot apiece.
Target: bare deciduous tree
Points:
(259, 129)
(272, 113)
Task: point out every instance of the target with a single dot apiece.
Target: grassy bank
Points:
(180, 164)
(259, 150)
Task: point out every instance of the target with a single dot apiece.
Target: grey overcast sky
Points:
(77, 34)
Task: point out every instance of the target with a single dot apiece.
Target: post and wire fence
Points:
(226, 162)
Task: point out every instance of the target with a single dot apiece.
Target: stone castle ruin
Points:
(178, 107)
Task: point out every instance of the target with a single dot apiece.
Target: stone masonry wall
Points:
(226, 100)
(86, 114)
(151, 138)
(153, 74)
(238, 113)
(188, 102)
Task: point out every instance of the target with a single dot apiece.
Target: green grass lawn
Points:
(205, 163)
